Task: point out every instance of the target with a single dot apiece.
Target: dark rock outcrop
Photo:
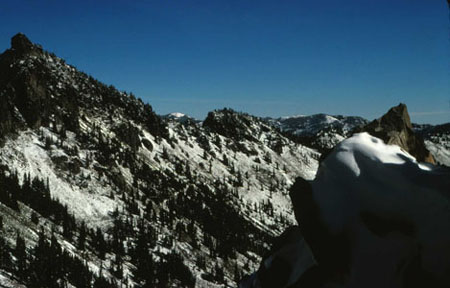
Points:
(395, 128)
(26, 99)
(289, 263)
(331, 251)
(22, 45)
(239, 127)
(129, 134)
(230, 124)
(39, 89)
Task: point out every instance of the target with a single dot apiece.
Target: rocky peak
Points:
(39, 89)
(21, 42)
(395, 128)
(230, 123)
(396, 118)
(22, 45)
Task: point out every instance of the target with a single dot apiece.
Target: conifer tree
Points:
(144, 273)
(21, 257)
(99, 243)
(5, 255)
(82, 237)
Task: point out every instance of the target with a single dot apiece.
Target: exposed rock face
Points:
(230, 124)
(25, 97)
(395, 128)
(241, 127)
(288, 260)
(38, 89)
(22, 45)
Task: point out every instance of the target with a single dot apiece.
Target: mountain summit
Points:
(37, 88)
(21, 44)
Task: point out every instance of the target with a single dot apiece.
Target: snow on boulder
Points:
(393, 212)
(372, 217)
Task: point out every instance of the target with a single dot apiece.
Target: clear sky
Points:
(268, 58)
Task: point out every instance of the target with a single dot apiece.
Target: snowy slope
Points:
(85, 193)
(440, 149)
(266, 176)
(8, 281)
(437, 140)
(215, 199)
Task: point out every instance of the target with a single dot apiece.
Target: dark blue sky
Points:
(352, 57)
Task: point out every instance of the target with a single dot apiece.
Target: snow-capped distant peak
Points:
(293, 116)
(180, 117)
(177, 115)
(330, 119)
(308, 125)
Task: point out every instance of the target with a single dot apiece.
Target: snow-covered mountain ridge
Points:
(437, 140)
(319, 131)
(207, 197)
(307, 125)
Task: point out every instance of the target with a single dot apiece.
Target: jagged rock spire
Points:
(395, 127)
(21, 43)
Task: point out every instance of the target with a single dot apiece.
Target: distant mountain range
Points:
(313, 124)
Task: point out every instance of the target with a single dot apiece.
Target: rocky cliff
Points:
(395, 128)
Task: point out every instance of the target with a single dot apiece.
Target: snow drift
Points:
(374, 217)
(392, 209)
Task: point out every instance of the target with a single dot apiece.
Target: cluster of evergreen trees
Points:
(134, 241)
(35, 193)
(47, 264)
(134, 231)
(218, 220)
(197, 207)
(130, 240)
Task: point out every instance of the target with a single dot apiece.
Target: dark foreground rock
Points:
(372, 217)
